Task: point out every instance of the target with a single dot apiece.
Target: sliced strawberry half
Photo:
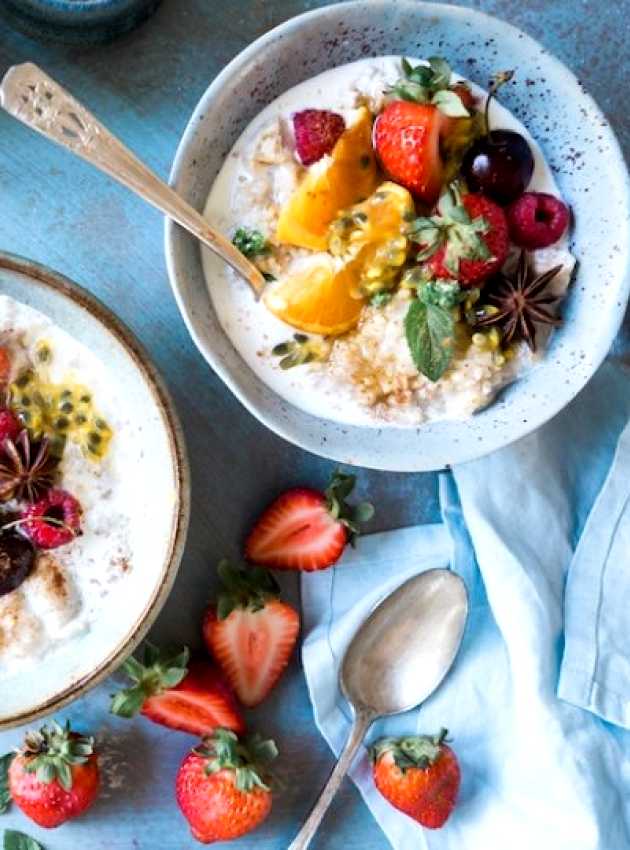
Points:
(316, 133)
(305, 529)
(250, 632)
(191, 697)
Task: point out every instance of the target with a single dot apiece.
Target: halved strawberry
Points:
(407, 140)
(191, 697)
(316, 132)
(410, 133)
(250, 632)
(467, 239)
(305, 529)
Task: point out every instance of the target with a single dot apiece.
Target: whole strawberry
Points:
(466, 240)
(222, 786)
(418, 775)
(250, 632)
(169, 689)
(54, 776)
(305, 529)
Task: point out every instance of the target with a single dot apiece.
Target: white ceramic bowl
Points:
(159, 514)
(577, 141)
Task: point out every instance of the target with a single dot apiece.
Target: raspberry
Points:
(10, 425)
(537, 220)
(316, 133)
(63, 509)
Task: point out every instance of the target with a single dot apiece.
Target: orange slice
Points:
(347, 176)
(316, 298)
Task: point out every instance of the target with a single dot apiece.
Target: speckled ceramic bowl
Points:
(578, 143)
(72, 667)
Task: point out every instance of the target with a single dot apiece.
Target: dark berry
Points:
(537, 220)
(500, 165)
(53, 520)
(16, 560)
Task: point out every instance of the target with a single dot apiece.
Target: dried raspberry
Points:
(64, 511)
(10, 425)
(316, 133)
(537, 220)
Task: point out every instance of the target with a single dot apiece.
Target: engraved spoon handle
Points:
(34, 98)
(362, 723)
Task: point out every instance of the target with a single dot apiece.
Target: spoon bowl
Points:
(397, 658)
(403, 650)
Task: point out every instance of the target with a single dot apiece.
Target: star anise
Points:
(522, 300)
(27, 468)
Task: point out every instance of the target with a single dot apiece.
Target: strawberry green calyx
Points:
(51, 752)
(340, 487)
(429, 84)
(245, 587)
(420, 751)
(159, 672)
(453, 228)
(248, 759)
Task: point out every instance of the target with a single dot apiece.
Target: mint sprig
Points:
(429, 329)
(250, 242)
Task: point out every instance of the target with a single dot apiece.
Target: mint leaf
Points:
(429, 330)
(450, 103)
(5, 794)
(19, 841)
(250, 242)
(441, 293)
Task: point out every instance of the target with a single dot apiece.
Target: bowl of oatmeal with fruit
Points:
(91, 528)
(418, 216)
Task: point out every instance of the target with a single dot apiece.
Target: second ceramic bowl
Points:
(576, 138)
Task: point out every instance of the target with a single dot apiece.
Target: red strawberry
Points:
(419, 775)
(407, 140)
(53, 520)
(54, 776)
(316, 133)
(168, 690)
(250, 632)
(468, 239)
(305, 529)
(10, 425)
(222, 788)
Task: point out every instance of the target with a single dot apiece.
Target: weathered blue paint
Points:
(60, 212)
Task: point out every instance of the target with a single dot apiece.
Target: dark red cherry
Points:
(16, 560)
(499, 165)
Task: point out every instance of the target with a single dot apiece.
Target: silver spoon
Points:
(395, 661)
(34, 98)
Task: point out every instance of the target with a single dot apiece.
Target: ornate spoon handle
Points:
(34, 98)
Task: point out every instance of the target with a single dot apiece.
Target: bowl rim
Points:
(62, 285)
(172, 233)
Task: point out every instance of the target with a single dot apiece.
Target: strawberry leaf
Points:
(245, 587)
(14, 840)
(162, 670)
(441, 76)
(5, 794)
(429, 331)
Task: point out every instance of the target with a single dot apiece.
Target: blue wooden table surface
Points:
(59, 211)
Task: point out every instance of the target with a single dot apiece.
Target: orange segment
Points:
(350, 175)
(316, 298)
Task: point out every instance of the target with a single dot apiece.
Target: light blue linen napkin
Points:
(540, 532)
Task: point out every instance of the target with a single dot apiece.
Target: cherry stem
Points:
(497, 81)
